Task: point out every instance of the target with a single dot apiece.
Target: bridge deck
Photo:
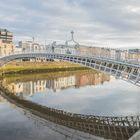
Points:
(127, 71)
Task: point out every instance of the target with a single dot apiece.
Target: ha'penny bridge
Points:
(118, 128)
(127, 71)
(120, 69)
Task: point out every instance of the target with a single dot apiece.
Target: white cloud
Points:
(109, 22)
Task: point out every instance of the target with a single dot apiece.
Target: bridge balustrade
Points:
(120, 69)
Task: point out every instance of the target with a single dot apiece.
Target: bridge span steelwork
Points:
(124, 70)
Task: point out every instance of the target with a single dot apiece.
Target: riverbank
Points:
(39, 67)
(9, 78)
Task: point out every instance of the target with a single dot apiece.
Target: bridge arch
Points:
(126, 71)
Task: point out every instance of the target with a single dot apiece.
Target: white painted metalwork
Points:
(127, 71)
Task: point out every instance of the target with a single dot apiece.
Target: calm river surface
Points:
(83, 92)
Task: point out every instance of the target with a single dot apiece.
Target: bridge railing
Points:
(78, 53)
(106, 56)
(122, 69)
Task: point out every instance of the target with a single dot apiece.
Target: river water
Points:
(85, 92)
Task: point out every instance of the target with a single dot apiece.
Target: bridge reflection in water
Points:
(73, 129)
(119, 128)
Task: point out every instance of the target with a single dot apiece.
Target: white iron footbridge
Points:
(120, 69)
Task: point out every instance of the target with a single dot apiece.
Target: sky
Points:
(109, 23)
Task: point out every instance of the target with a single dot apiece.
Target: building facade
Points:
(6, 45)
(31, 46)
(6, 35)
(62, 49)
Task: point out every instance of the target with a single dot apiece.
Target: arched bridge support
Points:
(126, 71)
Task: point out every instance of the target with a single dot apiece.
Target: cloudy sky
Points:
(114, 23)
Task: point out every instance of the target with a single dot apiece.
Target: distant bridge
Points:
(120, 69)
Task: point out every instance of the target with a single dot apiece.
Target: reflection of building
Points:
(91, 79)
(16, 87)
(39, 86)
(29, 88)
(6, 45)
(61, 83)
